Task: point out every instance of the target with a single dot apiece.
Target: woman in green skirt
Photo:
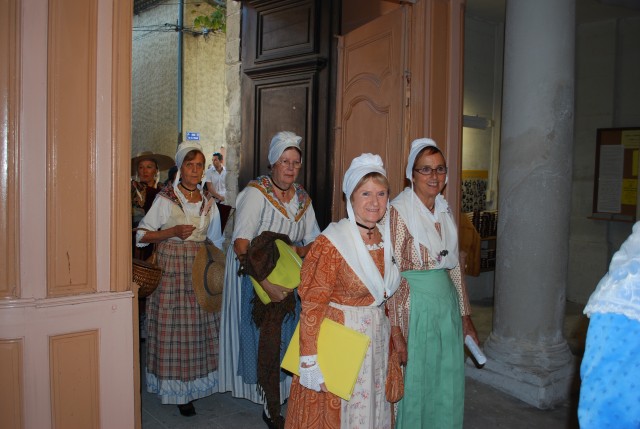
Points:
(430, 312)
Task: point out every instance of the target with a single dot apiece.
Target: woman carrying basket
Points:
(182, 343)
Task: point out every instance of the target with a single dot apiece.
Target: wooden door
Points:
(67, 349)
(287, 53)
(372, 99)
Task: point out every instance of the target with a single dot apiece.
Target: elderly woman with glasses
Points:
(430, 312)
(269, 203)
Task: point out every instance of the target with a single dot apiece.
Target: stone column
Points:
(528, 355)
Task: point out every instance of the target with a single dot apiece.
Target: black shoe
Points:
(187, 410)
(268, 421)
(271, 424)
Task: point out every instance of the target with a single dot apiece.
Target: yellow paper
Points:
(341, 351)
(286, 273)
(629, 191)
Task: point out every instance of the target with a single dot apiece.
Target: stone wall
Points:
(155, 85)
(233, 130)
(204, 88)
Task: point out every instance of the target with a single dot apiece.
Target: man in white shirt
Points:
(215, 177)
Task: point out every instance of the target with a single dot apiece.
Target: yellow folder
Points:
(341, 351)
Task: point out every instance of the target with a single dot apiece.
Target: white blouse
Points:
(164, 214)
(254, 214)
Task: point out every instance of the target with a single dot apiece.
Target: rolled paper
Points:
(475, 350)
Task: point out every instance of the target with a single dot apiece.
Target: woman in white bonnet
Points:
(276, 203)
(182, 340)
(430, 312)
(347, 277)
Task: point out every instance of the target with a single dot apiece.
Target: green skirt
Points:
(434, 376)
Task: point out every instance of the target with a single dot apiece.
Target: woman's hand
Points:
(310, 375)
(183, 231)
(276, 292)
(469, 329)
(399, 344)
(302, 250)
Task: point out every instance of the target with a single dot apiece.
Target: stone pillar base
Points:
(541, 388)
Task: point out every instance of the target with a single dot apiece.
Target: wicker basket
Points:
(147, 275)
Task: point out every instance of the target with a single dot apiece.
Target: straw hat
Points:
(164, 162)
(208, 277)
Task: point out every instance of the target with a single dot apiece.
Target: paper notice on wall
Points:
(634, 164)
(609, 194)
(630, 139)
(610, 179)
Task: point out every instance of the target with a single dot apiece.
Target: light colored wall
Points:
(607, 90)
(204, 84)
(482, 89)
(154, 84)
(479, 52)
(482, 97)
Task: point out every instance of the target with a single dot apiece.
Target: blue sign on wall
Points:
(191, 135)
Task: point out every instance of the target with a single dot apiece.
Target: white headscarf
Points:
(421, 222)
(360, 166)
(416, 146)
(281, 142)
(619, 290)
(346, 238)
(183, 149)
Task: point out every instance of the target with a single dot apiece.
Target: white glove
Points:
(310, 374)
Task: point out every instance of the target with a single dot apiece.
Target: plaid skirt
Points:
(182, 339)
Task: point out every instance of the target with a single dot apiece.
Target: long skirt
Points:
(182, 341)
(238, 373)
(368, 407)
(610, 371)
(434, 375)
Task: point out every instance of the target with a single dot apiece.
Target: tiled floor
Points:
(485, 407)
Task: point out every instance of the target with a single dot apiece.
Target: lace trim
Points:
(376, 246)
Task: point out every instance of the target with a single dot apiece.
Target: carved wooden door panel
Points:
(287, 51)
(372, 90)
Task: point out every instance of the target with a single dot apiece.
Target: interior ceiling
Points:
(586, 10)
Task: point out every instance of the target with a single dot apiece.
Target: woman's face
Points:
(147, 172)
(286, 169)
(369, 202)
(191, 171)
(429, 186)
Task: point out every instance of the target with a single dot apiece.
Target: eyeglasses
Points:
(426, 170)
(290, 164)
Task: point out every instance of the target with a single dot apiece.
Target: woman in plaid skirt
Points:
(182, 341)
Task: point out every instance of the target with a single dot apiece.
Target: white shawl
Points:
(346, 238)
(442, 247)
